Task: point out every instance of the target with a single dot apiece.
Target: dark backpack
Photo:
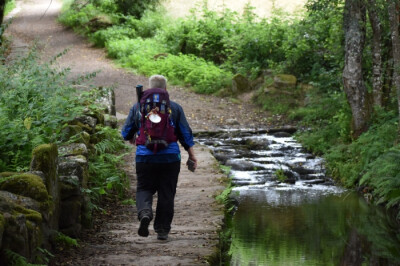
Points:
(156, 126)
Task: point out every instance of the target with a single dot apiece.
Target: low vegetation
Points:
(36, 104)
(205, 50)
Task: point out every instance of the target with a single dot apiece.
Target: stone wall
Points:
(35, 206)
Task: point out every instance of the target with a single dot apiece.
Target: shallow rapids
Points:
(290, 213)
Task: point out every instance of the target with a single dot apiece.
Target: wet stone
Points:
(255, 158)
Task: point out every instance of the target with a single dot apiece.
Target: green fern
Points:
(383, 176)
(15, 259)
(66, 241)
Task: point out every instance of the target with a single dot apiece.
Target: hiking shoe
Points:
(162, 236)
(144, 226)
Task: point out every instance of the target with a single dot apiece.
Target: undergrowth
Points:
(207, 48)
(35, 104)
(105, 166)
(221, 255)
(369, 162)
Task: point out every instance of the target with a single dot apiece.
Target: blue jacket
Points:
(172, 152)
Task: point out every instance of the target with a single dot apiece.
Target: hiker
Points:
(158, 124)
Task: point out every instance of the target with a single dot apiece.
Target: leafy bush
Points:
(35, 103)
(350, 162)
(329, 117)
(135, 8)
(114, 33)
(149, 24)
(313, 48)
(148, 57)
(105, 166)
(383, 175)
(10, 5)
(204, 36)
(78, 16)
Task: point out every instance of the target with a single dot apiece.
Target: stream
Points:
(288, 212)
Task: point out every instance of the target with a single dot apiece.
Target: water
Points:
(305, 220)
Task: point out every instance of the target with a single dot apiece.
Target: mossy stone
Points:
(30, 215)
(84, 126)
(7, 174)
(28, 185)
(71, 130)
(45, 159)
(284, 81)
(111, 121)
(73, 149)
(84, 138)
(98, 115)
(240, 84)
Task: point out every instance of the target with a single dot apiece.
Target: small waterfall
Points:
(269, 161)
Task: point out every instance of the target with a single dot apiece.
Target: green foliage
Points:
(115, 33)
(278, 101)
(350, 162)
(78, 16)
(66, 241)
(105, 167)
(224, 196)
(14, 259)
(207, 48)
(221, 255)
(44, 256)
(383, 175)
(135, 8)
(35, 103)
(10, 5)
(330, 118)
(129, 202)
(280, 175)
(313, 48)
(225, 169)
(204, 36)
(148, 57)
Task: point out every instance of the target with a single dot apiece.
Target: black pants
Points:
(161, 178)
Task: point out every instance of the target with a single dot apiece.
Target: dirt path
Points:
(114, 240)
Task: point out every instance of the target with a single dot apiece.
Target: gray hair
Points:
(157, 81)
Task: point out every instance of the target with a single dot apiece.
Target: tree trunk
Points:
(356, 92)
(376, 53)
(394, 30)
(2, 7)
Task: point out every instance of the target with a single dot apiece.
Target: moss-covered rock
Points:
(284, 81)
(28, 185)
(240, 84)
(70, 187)
(73, 149)
(75, 166)
(21, 226)
(71, 130)
(45, 159)
(30, 215)
(7, 174)
(88, 123)
(111, 121)
(97, 114)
